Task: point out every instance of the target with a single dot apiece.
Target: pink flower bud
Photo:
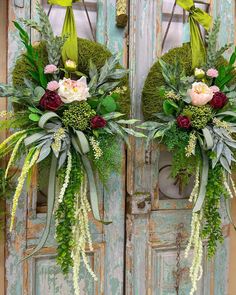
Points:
(50, 69)
(215, 88)
(53, 86)
(213, 73)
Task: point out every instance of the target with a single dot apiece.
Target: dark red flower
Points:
(50, 101)
(219, 100)
(98, 122)
(183, 122)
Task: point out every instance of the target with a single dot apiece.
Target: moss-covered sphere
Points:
(151, 98)
(88, 50)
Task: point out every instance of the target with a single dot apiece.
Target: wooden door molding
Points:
(3, 106)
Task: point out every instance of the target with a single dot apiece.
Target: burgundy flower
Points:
(219, 100)
(50, 101)
(183, 122)
(98, 122)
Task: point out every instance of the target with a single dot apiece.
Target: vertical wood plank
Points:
(16, 241)
(144, 47)
(114, 195)
(3, 106)
(232, 257)
(225, 9)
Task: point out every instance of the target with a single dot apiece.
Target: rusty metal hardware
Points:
(140, 203)
(148, 156)
(19, 3)
(121, 13)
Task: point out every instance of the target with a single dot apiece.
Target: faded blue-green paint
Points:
(16, 242)
(225, 9)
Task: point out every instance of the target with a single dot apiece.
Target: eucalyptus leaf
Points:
(159, 133)
(108, 86)
(208, 138)
(118, 74)
(44, 153)
(39, 92)
(133, 133)
(62, 159)
(219, 149)
(227, 113)
(228, 154)
(112, 115)
(128, 122)
(150, 125)
(225, 164)
(108, 130)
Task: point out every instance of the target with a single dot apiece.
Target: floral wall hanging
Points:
(193, 90)
(71, 101)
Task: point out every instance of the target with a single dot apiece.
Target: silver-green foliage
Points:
(213, 54)
(53, 43)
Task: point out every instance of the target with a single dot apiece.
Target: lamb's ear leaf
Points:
(50, 207)
(133, 133)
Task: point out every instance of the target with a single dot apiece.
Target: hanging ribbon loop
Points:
(70, 48)
(196, 16)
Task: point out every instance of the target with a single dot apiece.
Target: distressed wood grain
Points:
(16, 242)
(3, 106)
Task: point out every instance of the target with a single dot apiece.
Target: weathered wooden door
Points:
(157, 225)
(40, 275)
(137, 253)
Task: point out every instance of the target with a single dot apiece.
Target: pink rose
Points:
(53, 86)
(215, 89)
(213, 73)
(50, 69)
(200, 94)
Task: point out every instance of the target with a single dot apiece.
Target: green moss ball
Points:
(88, 50)
(151, 98)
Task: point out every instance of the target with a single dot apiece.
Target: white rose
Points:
(71, 90)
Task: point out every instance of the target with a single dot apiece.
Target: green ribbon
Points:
(70, 48)
(50, 207)
(196, 16)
